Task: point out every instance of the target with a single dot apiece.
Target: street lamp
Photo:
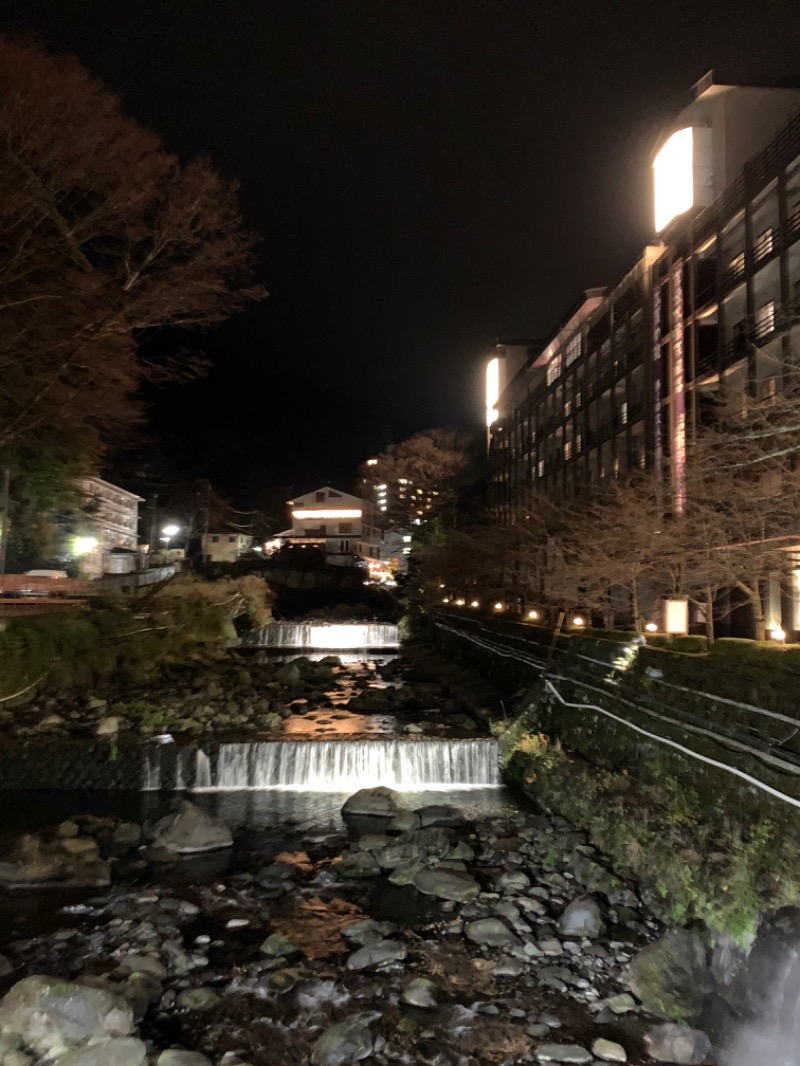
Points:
(168, 532)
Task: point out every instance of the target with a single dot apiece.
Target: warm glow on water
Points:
(334, 723)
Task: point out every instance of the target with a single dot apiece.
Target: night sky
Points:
(427, 176)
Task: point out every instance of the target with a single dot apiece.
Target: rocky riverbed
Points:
(403, 936)
(257, 694)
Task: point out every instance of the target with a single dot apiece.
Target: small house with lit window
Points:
(343, 526)
(225, 547)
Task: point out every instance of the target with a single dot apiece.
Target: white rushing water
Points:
(319, 636)
(347, 765)
(775, 1039)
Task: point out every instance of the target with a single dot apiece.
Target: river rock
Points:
(358, 864)
(404, 822)
(197, 999)
(130, 964)
(277, 944)
(39, 858)
(671, 975)
(490, 931)
(678, 1044)
(440, 814)
(582, 918)
(377, 954)
(118, 1051)
(126, 836)
(6, 966)
(609, 1051)
(377, 802)
(189, 831)
(573, 1053)
(54, 1016)
(447, 884)
(368, 931)
(107, 727)
(178, 1057)
(347, 1041)
(419, 993)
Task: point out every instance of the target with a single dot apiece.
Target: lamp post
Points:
(168, 532)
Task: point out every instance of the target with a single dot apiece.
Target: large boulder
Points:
(189, 831)
(53, 1016)
(671, 976)
(377, 802)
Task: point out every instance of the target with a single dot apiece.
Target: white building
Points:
(111, 522)
(343, 526)
(225, 547)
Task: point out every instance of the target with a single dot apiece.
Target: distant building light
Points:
(446, 599)
(499, 606)
(381, 488)
(475, 603)
(343, 513)
(459, 603)
(578, 621)
(372, 462)
(533, 615)
(651, 627)
(406, 538)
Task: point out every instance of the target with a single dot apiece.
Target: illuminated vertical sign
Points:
(678, 393)
(658, 446)
(673, 177)
(492, 389)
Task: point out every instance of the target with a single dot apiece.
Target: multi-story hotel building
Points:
(714, 300)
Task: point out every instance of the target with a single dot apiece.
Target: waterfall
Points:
(316, 636)
(347, 765)
(775, 1038)
(202, 770)
(152, 768)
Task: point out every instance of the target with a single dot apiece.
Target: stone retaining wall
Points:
(43, 763)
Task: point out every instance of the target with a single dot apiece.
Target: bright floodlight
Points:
(171, 530)
(777, 633)
(492, 389)
(533, 615)
(673, 177)
(84, 545)
(651, 627)
(577, 620)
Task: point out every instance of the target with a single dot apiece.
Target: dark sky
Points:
(427, 176)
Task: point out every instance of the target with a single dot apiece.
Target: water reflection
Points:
(304, 810)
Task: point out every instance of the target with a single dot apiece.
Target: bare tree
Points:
(104, 237)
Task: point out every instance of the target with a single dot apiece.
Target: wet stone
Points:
(571, 1053)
